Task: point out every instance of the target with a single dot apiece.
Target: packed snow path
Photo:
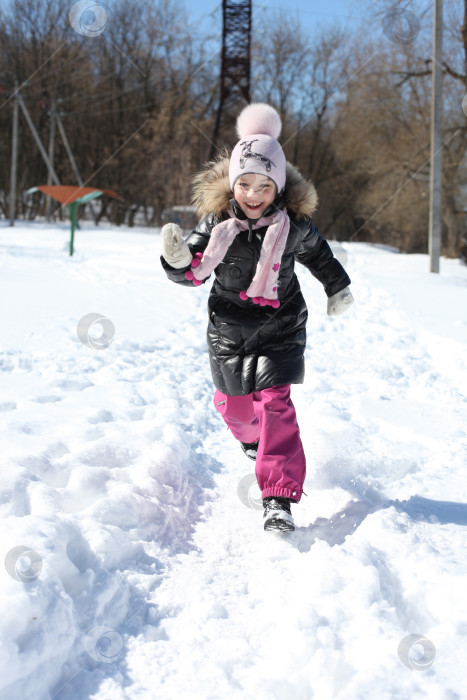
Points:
(148, 573)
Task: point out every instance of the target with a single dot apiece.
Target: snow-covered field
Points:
(133, 560)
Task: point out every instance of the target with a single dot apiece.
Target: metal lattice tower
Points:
(235, 71)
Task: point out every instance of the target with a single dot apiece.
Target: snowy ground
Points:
(145, 572)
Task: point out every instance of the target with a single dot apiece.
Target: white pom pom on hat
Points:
(259, 118)
(258, 151)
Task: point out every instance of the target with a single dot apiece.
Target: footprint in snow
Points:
(7, 406)
(73, 385)
(48, 399)
(102, 416)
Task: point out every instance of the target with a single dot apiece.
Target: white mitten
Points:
(173, 247)
(339, 302)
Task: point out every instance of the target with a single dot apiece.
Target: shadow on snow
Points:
(336, 529)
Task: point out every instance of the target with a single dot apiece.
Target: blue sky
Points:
(310, 12)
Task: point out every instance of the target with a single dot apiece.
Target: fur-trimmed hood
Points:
(212, 193)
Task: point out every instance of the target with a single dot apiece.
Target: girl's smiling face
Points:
(254, 193)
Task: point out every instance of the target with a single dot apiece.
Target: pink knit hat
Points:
(258, 150)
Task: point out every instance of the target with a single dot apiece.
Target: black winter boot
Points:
(250, 448)
(277, 515)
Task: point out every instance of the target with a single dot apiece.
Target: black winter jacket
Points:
(254, 347)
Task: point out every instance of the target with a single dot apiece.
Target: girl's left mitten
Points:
(339, 302)
(173, 248)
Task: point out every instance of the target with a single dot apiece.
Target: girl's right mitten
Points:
(173, 248)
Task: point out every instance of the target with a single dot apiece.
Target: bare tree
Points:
(138, 101)
(410, 61)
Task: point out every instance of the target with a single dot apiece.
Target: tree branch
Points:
(446, 69)
(454, 74)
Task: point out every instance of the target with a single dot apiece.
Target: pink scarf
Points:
(263, 287)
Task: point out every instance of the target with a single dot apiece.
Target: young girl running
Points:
(255, 211)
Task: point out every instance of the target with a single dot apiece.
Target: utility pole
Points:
(37, 139)
(436, 171)
(14, 159)
(48, 157)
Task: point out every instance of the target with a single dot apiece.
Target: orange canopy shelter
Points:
(72, 196)
(67, 194)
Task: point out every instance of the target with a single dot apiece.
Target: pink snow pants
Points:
(269, 415)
